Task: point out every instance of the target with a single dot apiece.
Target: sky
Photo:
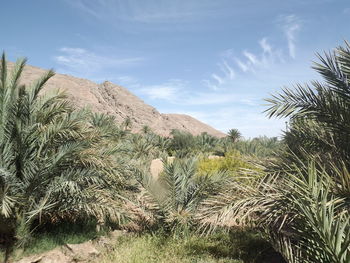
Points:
(214, 60)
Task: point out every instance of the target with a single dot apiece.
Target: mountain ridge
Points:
(118, 101)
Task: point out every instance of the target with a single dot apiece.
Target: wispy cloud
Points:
(267, 48)
(226, 74)
(264, 59)
(170, 90)
(126, 80)
(217, 78)
(241, 65)
(252, 59)
(84, 63)
(291, 26)
(230, 64)
(151, 11)
(227, 70)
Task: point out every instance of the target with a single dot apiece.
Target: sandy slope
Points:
(118, 101)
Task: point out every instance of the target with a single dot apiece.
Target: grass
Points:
(149, 248)
(238, 247)
(233, 247)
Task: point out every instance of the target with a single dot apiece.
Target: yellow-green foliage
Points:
(232, 163)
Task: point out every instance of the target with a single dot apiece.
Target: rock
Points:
(157, 166)
(118, 101)
(82, 252)
(214, 157)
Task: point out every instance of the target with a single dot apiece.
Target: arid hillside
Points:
(119, 102)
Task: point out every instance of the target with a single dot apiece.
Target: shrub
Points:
(232, 163)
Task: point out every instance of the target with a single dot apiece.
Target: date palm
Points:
(172, 199)
(320, 112)
(51, 164)
(304, 206)
(234, 135)
(303, 212)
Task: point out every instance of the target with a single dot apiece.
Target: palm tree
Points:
(304, 206)
(172, 199)
(52, 165)
(300, 212)
(146, 129)
(320, 113)
(260, 146)
(127, 124)
(234, 135)
(206, 142)
(182, 143)
(108, 127)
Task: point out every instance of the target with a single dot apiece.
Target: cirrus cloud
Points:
(85, 63)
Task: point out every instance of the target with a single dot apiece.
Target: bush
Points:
(232, 163)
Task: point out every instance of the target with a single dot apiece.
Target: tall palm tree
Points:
(51, 164)
(234, 135)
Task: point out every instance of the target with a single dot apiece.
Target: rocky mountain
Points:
(115, 100)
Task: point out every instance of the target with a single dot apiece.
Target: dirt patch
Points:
(73, 253)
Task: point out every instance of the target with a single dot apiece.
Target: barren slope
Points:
(118, 101)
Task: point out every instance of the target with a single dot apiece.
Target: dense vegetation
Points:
(217, 199)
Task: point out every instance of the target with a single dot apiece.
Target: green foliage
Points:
(106, 125)
(320, 113)
(263, 147)
(184, 144)
(319, 195)
(146, 129)
(145, 146)
(150, 248)
(301, 209)
(237, 247)
(170, 201)
(234, 135)
(52, 163)
(321, 222)
(58, 164)
(205, 142)
(232, 163)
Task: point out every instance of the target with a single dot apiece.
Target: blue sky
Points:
(214, 60)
